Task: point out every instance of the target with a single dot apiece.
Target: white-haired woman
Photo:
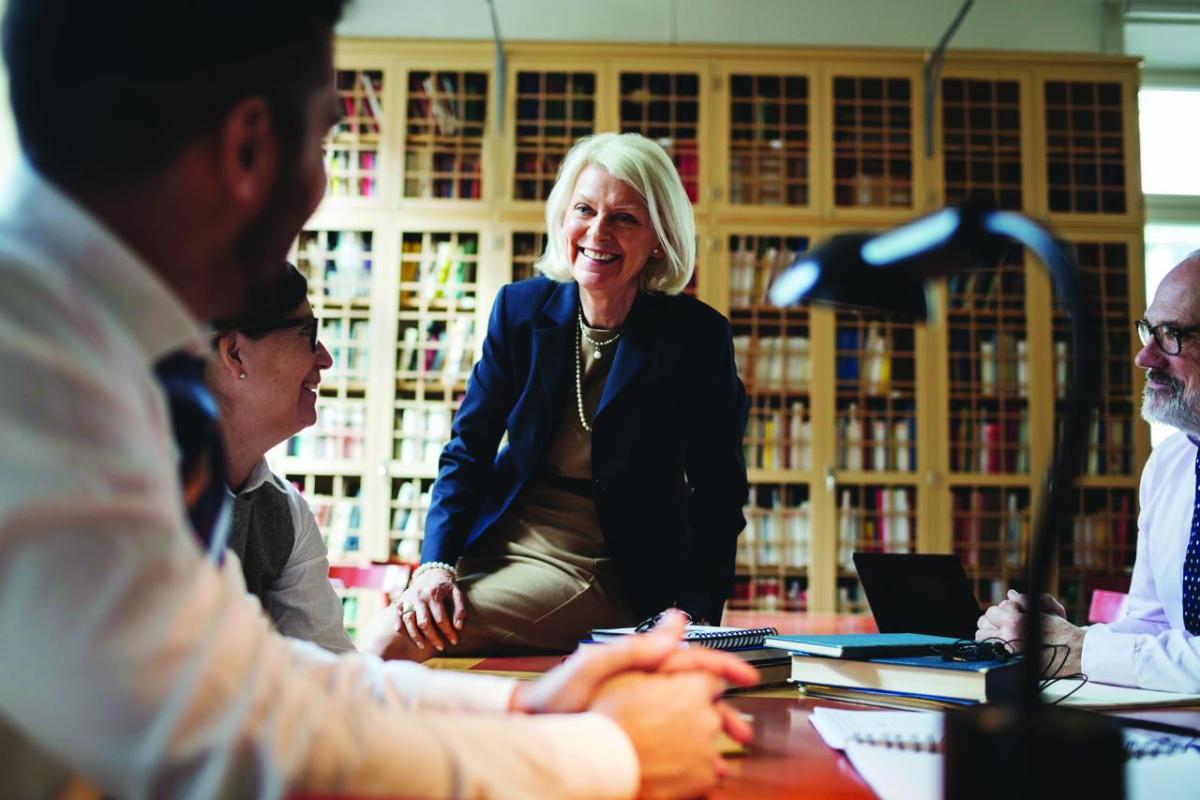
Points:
(620, 490)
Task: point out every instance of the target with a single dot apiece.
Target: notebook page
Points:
(895, 774)
(1102, 695)
(839, 727)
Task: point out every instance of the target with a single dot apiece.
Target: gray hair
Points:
(644, 165)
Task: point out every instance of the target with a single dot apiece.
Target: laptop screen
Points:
(918, 593)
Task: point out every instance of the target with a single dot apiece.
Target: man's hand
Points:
(1006, 622)
(672, 721)
(573, 685)
(1049, 604)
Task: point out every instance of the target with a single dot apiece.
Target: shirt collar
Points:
(260, 473)
(74, 240)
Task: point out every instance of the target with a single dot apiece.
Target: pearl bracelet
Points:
(428, 565)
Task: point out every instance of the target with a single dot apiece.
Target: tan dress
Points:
(542, 578)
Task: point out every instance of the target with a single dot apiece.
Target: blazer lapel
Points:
(552, 342)
(633, 351)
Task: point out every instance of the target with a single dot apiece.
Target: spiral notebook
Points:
(713, 636)
(898, 754)
(922, 731)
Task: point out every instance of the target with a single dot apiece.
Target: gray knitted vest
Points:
(262, 536)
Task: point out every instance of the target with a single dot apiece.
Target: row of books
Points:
(992, 445)
(340, 268)
(752, 269)
(778, 438)
(1103, 540)
(362, 107)
(986, 290)
(1109, 447)
(875, 519)
(869, 191)
(770, 593)
(878, 443)
(421, 434)
(359, 606)
(351, 173)
(776, 536)
(773, 362)
(445, 278)
(765, 182)
(990, 532)
(338, 434)
(431, 171)
(446, 350)
(994, 365)
(340, 520)
(438, 104)
(346, 341)
(864, 357)
(408, 519)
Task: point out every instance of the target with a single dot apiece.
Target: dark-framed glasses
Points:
(1168, 337)
(309, 328)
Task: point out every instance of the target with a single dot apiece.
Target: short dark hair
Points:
(105, 90)
(270, 307)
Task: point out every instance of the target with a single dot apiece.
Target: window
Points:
(1169, 119)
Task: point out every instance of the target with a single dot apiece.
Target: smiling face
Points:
(279, 393)
(608, 235)
(1172, 393)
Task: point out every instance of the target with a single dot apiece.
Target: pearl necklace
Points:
(579, 380)
(596, 344)
(579, 332)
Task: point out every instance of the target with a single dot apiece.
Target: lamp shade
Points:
(887, 272)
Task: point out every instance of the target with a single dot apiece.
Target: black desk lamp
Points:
(1016, 748)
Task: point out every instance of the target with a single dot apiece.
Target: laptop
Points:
(919, 593)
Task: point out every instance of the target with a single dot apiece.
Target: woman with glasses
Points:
(264, 373)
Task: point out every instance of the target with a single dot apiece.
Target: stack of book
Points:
(773, 665)
(907, 670)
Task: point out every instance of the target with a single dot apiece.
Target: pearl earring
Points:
(242, 376)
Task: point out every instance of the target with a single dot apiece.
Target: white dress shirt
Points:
(129, 658)
(1149, 646)
(301, 602)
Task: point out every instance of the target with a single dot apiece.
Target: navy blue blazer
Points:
(668, 473)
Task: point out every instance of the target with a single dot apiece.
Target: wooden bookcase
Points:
(865, 432)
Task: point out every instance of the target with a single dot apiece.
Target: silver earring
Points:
(242, 376)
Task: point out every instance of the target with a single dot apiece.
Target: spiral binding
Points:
(730, 640)
(1134, 748)
(923, 744)
(1159, 746)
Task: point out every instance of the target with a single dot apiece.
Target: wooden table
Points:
(787, 759)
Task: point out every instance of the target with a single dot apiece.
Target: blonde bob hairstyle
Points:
(644, 165)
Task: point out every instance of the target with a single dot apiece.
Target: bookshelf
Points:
(352, 151)
(770, 139)
(552, 109)
(445, 123)
(864, 432)
(873, 147)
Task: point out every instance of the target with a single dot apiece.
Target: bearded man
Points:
(1156, 644)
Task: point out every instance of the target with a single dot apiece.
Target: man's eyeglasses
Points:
(1168, 338)
(309, 328)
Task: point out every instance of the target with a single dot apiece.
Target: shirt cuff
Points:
(591, 756)
(1108, 656)
(451, 690)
